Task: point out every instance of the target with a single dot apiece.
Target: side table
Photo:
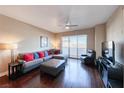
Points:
(14, 70)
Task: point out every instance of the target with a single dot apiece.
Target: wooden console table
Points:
(14, 70)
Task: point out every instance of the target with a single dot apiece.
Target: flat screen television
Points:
(108, 51)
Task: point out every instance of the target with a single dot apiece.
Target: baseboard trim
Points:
(4, 73)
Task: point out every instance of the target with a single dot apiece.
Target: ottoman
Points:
(53, 66)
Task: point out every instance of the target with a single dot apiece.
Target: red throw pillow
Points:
(41, 54)
(28, 57)
(57, 52)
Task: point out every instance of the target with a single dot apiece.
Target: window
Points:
(74, 46)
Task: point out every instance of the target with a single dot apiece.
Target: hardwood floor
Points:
(75, 75)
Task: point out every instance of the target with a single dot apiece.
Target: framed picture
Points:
(43, 41)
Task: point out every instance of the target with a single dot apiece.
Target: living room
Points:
(65, 34)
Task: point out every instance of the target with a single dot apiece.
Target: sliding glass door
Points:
(74, 46)
(65, 45)
(82, 45)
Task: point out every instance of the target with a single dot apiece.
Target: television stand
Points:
(115, 75)
(101, 65)
(112, 76)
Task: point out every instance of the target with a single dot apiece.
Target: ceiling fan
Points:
(68, 24)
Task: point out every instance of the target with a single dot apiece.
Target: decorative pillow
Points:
(36, 55)
(47, 58)
(28, 57)
(57, 52)
(49, 52)
(46, 53)
(41, 54)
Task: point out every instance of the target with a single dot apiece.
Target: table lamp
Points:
(12, 47)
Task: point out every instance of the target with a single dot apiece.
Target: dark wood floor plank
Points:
(75, 75)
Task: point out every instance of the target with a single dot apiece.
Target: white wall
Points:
(100, 36)
(26, 36)
(115, 32)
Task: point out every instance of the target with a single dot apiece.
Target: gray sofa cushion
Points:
(31, 63)
(47, 57)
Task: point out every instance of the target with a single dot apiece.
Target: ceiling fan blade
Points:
(71, 25)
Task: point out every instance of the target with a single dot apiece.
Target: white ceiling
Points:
(51, 17)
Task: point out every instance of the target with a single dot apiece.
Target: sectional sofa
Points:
(35, 59)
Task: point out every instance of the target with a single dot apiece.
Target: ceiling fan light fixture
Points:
(67, 27)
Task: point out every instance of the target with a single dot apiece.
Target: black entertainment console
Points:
(112, 76)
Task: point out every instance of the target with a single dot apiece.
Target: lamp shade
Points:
(5, 46)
